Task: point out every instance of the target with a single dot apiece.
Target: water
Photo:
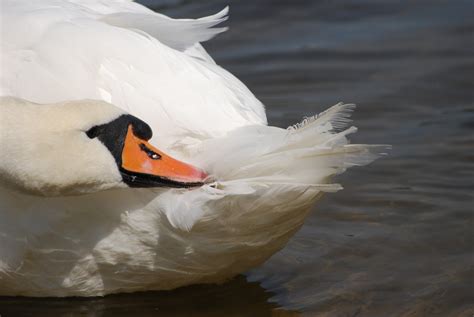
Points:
(398, 241)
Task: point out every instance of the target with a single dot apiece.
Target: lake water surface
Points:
(398, 241)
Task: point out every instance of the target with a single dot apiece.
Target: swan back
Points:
(81, 50)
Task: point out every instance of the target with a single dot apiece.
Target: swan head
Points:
(82, 147)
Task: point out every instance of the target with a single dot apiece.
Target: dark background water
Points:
(398, 241)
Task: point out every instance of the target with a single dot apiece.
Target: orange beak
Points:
(151, 165)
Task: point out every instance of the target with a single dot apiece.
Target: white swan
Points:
(84, 240)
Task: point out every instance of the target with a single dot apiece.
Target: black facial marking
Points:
(113, 135)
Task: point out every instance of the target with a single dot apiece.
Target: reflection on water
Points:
(398, 241)
(234, 298)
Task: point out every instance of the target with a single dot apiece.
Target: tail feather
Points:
(304, 150)
(275, 164)
(335, 118)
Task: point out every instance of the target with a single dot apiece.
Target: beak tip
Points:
(208, 179)
(198, 177)
(204, 177)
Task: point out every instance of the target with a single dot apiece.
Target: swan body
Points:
(71, 226)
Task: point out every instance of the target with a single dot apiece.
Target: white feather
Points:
(165, 29)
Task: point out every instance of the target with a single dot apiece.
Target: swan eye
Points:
(93, 132)
(151, 154)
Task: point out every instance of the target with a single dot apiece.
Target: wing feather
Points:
(179, 34)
